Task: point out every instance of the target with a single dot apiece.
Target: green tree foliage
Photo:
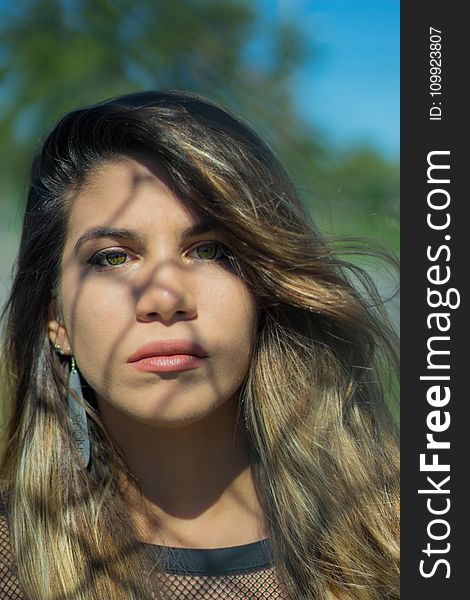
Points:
(58, 54)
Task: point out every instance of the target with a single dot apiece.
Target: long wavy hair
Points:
(314, 404)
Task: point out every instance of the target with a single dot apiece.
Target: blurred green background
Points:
(254, 56)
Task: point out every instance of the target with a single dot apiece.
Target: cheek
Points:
(231, 315)
(96, 317)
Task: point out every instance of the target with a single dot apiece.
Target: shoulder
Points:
(9, 585)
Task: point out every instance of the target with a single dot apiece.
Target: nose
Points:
(165, 295)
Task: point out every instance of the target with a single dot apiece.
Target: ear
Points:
(58, 335)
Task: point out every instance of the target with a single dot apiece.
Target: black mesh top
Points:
(240, 572)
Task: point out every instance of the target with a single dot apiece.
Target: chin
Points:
(167, 410)
(173, 416)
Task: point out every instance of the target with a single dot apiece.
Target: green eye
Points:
(116, 258)
(108, 258)
(209, 251)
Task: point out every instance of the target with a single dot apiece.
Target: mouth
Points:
(168, 356)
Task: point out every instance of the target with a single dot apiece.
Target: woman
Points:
(196, 407)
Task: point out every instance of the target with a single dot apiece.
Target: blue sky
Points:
(351, 86)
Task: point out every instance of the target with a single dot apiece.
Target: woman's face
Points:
(159, 325)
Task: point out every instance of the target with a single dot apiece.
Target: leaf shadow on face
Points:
(186, 326)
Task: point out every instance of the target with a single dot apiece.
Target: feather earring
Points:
(77, 414)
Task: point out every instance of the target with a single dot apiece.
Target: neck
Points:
(195, 482)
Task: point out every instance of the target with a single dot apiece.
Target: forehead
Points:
(123, 192)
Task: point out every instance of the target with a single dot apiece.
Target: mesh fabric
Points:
(244, 573)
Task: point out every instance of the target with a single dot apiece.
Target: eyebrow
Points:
(128, 234)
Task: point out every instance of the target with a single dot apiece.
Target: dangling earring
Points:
(77, 414)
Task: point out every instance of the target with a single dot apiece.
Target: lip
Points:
(164, 356)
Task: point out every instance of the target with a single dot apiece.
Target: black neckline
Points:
(216, 561)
